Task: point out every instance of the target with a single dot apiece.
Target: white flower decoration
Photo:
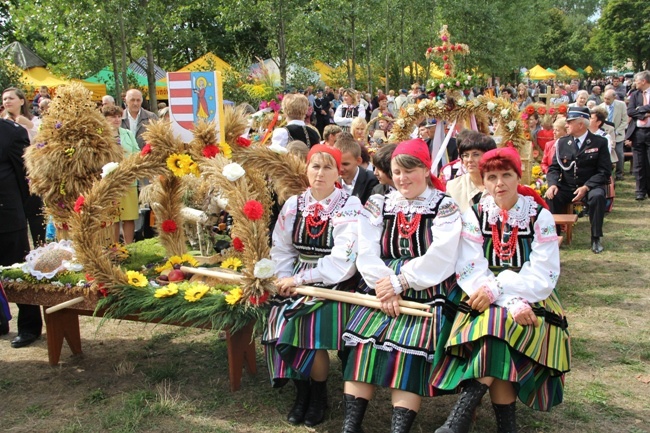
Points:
(108, 168)
(476, 102)
(233, 171)
(72, 266)
(265, 268)
(512, 125)
(423, 104)
(400, 122)
(491, 105)
(466, 82)
(440, 104)
(278, 149)
(410, 111)
(505, 113)
(469, 77)
(461, 102)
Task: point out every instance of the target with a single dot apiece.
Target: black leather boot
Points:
(355, 409)
(299, 409)
(506, 417)
(460, 418)
(402, 420)
(317, 404)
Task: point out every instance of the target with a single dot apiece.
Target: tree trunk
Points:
(282, 47)
(125, 82)
(401, 48)
(369, 67)
(151, 77)
(353, 66)
(116, 79)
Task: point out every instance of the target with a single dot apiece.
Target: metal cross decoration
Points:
(447, 51)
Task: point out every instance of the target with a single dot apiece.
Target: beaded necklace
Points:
(507, 250)
(406, 228)
(315, 221)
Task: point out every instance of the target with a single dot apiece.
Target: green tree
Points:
(624, 31)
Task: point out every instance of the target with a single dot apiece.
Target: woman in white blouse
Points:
(510, 332)
(348, 110)
(314, 243)
(408, 243)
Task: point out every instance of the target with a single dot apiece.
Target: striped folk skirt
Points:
(492, 344)
(398, 352)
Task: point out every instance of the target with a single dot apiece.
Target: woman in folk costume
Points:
(349, 110)
(510, 334)
(314, 243)
(408, 242)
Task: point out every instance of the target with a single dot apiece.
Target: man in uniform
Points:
(580, 171)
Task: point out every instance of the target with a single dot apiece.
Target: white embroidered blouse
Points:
(537, 277)
(331, 269)
(422, 272)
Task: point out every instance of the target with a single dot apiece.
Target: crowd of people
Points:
(471, 246)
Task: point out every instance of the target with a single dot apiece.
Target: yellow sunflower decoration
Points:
(196, 292)
(225, 149)
(165, 292)
(234, 296)
(232, 263)
(178, 260)
(136, 279)
(181, 164)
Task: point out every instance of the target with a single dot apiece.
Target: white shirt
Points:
(133, 123)
(281, 135)
(582, 139)
(349, 188)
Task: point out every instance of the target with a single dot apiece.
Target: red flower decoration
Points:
(243, 142)
(551, 111)
(257, 300)
(562, 109)
(445, 57)
(79, 203)
(541, 111)
(210, 151)
(237, 244)
(103, 290)
(530, 109)
(448, 72)
(169, 226)
(89, 277)
(253, 210)
(146, 149)
(509, 143)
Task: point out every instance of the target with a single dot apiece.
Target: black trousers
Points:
(15, 246)
(595, 200)
(641, 160)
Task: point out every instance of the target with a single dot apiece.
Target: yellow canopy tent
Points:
(324, 70)
(539, 73)
(568, 71)
(209, 60)
(39, 76)
(435, 71)
(589, 69)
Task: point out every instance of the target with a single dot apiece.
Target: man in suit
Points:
(355, 180)
(136, 118)
(322, 110)
(616, 115)
(572, 93)
(638, 108)
(14, 193)
(580, 171)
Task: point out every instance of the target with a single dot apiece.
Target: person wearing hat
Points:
(322, 111)
(580, 172)
(408, 241)
(314, 243)
(510, 332)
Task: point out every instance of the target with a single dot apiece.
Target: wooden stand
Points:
(64, 325)
(566, 221)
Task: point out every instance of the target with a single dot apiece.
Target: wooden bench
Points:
(64, 325)
(566, 222)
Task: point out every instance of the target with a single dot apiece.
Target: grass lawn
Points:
(144, 378)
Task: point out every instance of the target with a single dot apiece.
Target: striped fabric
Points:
(397, 352)
(493, 344)
(297, 327)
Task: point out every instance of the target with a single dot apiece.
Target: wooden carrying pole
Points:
(405, 307)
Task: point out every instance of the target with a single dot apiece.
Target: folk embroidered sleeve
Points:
(283, 253)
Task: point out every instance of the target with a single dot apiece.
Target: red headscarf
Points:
(321, 148)
(510, 155)
(418, 148)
